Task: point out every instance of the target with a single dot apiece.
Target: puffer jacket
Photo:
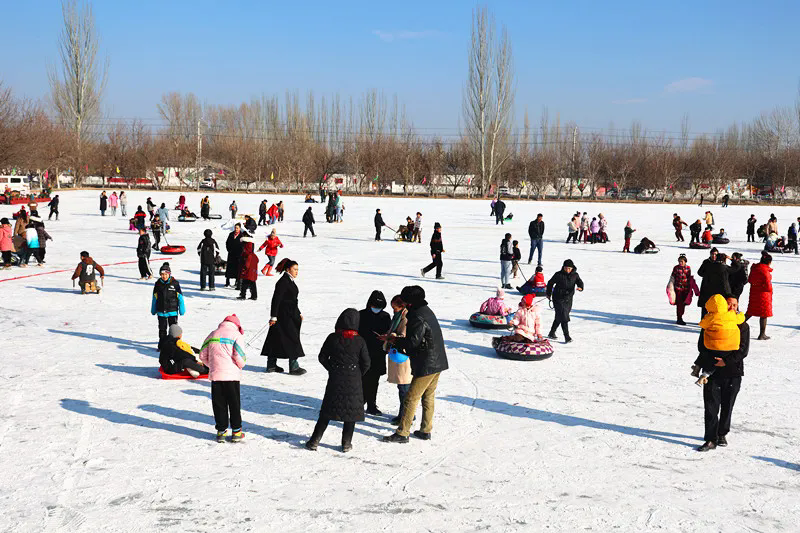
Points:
(528, 322)
(720, 325)
(223, 352)
(496, 307)
(271, 244)
(423, 342)
(6, 244)
(760, 303)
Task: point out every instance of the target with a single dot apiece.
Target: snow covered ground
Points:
(598, 437)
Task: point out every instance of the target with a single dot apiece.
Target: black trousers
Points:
(719, 395)
(695, 237)
(378, 233)
(249, 284)
(225, 400)
(206, 271)
(144, 267)
(573, 236)
(498, 218)
(564, 327)
(751, 237)
(53, 212)
(262, 219)
(322, 425)
(436, 263)
(164, 322)
(308, 228)
(157, 239)
(369, 385)
(6, 257)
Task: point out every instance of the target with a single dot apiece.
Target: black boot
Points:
(708, 445)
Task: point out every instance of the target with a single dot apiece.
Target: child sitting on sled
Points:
(176, 355)
(536, 285)
(527, 322)
(720, 334)
(496, 306)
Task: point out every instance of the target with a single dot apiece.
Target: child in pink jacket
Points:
(496, 306)
(526, 321)
(6, 243)
(223, 354)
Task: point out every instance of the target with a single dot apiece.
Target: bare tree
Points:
(489, 95)
(77, 84)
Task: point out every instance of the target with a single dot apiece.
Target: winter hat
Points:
(568, 263)
(4, 220)
(377, 299)
(175, 331)
(500, 292)
(528, 299)
(539, 269)
(413, 295)
(165, 268)
(233, 319)
(628, 225)
(207, 233)
(436, 225)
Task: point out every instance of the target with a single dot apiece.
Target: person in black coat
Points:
(345, 356)
(143, 253)
(437, 249)
(379, 224)
(751, 228)
(250, 225)
(53, 205)
(561, 289)
(174, 356)
(715, 274)
(374, 321)
(737, 275)
(721, 389)
(695, 230)
(103, 203)
(234, 247)
(536, 233)
(424, 345)
(283, 339)
(207, 250)
(308, 222)
(262, 213)
(499, 212)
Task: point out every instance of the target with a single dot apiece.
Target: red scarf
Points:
(348, 333)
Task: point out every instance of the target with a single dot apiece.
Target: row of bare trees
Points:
(295, 142)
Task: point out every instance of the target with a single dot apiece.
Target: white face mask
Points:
(376, 310)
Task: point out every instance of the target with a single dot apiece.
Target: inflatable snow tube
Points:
(215, 217)
(720, 240)
(536, 291)
(480, 320)
(699, 245)
(649, 251)
(523, 351)
(774, 249)
(182, 218)
(180, 375)
(173, 250)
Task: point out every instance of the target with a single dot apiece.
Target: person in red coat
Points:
(760, 303)
(273, 212)
(271, 244)
(249, 270)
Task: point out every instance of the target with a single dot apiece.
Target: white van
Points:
(21, 184)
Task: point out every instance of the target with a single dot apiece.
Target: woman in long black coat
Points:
(283, 339)
(345, 356)
(561, 288)
(234, 247)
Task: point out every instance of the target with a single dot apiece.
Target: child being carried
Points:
(720, 334)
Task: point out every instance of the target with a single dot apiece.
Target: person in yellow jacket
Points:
(720, 334)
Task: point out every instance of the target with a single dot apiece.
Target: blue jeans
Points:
(536, 243)
(505, 272)
(402, 391)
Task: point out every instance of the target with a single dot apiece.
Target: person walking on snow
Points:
(684, 285)
(379, 224)
(584, 235)
(112, 203)
(308, 223)
(437, 249)
(572, 229)
(223, 352)
(249, 270)
(536, 233)
(283, 339)
(234, 247)
(262, 213)
(103, 203)
(272, 213)
(345, 356)
(123, 203)
(167, 301)
(374, 322)
(207, 250)
(53, 205)
(760, 303)
(233, 209)
(143, 254)
(499, 211)
(163, 212)
(628, 234)
(506, 259)
(271, 244)
(424, 345)
(751, 228)
(678, 224)
(398, 367)
(561, 289)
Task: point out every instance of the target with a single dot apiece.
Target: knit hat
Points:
(165, 268)
(233, 319)
(500, 292)
(568, 263)
(175, 331)
(528, 299)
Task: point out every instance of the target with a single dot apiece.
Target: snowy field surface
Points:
(599, 437)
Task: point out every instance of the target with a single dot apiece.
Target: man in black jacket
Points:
(506, 261)
(143, 253)
(262, 213)
(695, 230)
(372, 322)
(424, 346)
(207, 250)
(536, 232)
(715, 274)
(751, 228)
(308, 222)
(737, 274)
(437, 249)
(561, 289)
(719, 393)
(53, 205)
(379, 224)
(499, 211)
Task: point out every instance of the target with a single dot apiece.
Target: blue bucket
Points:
(397, 357)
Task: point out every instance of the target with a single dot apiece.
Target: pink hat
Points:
(234, 320)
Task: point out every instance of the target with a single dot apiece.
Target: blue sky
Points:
(593, 62)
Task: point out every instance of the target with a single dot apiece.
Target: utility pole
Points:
(574, 172)
(199, 156)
